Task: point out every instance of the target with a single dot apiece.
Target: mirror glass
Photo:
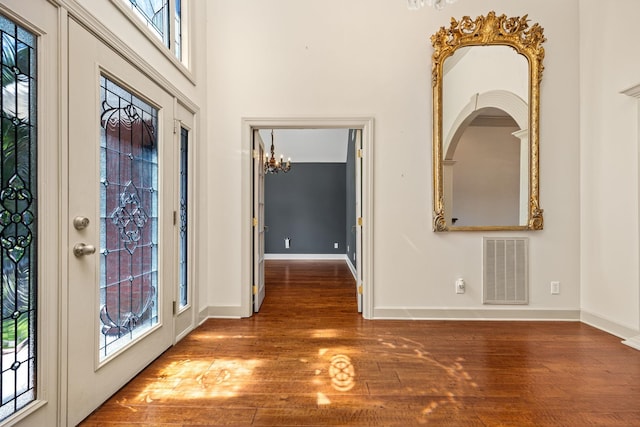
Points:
(486, 80)
(485, 149)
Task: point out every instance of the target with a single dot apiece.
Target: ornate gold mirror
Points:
(486, 79)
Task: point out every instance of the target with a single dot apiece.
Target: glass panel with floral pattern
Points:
(184, 175)
(129, 217)
(18, 197)
(155, 14)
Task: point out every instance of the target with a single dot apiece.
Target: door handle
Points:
(80, 222)
(80, 249)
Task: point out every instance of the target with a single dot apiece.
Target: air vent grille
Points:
(506, 271)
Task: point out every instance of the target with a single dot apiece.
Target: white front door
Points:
(259, 289)
(121, 200)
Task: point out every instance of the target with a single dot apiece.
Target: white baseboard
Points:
(351, 267)
(220, 312)
(416, 313)
(304, 256)
(185, 333)
(633, 342)
(607, 325)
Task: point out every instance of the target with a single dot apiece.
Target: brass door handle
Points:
(81, 249)
(80, 222)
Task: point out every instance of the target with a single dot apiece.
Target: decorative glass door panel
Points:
(183, 239)
(18, 217)
(129, 217)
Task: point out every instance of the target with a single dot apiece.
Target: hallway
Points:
(309, 359)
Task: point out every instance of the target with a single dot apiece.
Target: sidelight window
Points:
(18, 213)
(184, 175)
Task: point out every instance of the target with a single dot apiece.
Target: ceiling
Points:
(308, 145)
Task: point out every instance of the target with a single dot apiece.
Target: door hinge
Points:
(359, 153)
(360, 290)
(175, 217)
(176, 125)
(255, 290)
(360, 221)
(174, 308)
(255, 221)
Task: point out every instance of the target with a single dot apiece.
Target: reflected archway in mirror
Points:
(486, 78)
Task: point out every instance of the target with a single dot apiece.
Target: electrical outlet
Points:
(460, 286)
(335, 245)
(555, 288)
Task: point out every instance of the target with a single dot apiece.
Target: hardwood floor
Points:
(308, 359)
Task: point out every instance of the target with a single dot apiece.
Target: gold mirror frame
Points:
(485, 31)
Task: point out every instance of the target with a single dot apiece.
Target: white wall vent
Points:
(505, 271)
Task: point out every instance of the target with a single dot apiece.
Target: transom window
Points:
(164, 19)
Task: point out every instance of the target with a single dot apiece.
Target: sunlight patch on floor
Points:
(200, 379)
(445, 381)
(325, 333)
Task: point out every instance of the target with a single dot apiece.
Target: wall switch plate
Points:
(335, 245)
(555, 288)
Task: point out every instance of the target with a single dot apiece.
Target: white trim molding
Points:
(607, 325)
(634, 92)
(351, 267)
(366, 125)
(304, 256)
(220, 312)
(633, 342)
(423, 313)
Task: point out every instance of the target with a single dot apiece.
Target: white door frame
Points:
(365, 124)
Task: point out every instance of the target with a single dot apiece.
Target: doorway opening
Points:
(353, 230)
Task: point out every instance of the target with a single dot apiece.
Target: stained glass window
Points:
(18, 212)
(178, 30)
(129, 217)
(184, 169)
(155, 14)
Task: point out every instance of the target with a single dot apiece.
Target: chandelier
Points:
(438, 4)
(271, 165)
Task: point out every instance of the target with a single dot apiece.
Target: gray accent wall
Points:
(307, 205)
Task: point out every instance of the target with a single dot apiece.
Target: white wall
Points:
(328, 58)
(609, 165)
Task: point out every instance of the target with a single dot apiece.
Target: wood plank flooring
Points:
(308, 359)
